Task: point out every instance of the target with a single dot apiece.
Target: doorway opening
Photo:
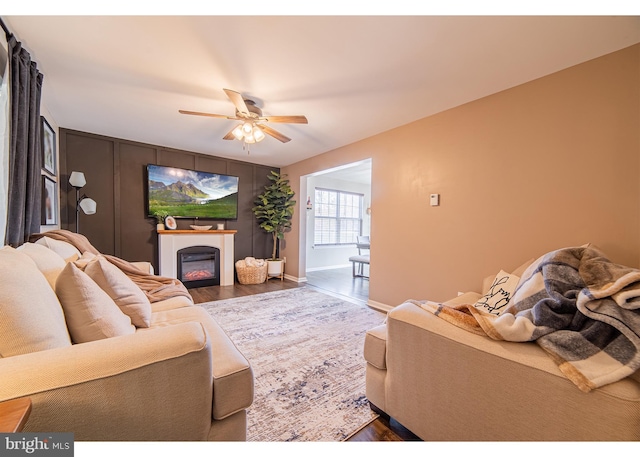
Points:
(338, 215)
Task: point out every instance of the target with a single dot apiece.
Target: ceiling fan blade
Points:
(277, 135)
(286, 119)
(229, 136)
(237, 100)
(196, 113)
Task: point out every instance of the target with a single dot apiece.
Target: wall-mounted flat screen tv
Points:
(191, 194)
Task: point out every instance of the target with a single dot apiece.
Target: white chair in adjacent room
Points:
(363, 244)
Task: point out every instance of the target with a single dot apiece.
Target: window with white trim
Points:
(338, 217)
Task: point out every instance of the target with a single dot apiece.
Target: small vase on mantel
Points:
(159, 227)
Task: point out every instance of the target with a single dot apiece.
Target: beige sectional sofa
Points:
(99, 359)
(445, 383)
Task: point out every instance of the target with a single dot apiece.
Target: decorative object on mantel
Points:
(88, 205)
(220, 226)
(274, 207)
(160, 217)
(170, 223)
(200, 227)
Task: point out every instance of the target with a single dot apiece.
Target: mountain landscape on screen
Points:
(191, 194)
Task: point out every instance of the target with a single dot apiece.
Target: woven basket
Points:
(251, 274)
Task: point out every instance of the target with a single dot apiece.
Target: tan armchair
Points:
(445, 383)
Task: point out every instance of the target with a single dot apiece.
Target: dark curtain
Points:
(25, 155)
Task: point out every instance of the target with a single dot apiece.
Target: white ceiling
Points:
(358, 172)
(352, 76)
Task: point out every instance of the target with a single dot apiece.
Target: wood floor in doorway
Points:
(340, 281)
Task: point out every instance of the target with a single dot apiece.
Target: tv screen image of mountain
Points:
(191, 194)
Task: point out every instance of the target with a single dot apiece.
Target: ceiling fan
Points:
(251, 129)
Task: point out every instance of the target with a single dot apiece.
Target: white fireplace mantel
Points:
(171, 241)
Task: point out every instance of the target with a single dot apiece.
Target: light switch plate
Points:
(434, 199)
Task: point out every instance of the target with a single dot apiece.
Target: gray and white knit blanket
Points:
(581, 308)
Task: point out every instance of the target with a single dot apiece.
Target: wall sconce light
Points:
(84, 203)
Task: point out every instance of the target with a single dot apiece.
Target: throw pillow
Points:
(499, 294)
(47, 261)
(31, 318)
(127, 295)
(84, 259)
(67, 251)
(91, 314)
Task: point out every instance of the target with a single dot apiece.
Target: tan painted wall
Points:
(551, 163)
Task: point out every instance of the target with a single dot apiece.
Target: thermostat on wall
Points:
(434, 199)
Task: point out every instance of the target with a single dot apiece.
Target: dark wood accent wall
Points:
(116, 179)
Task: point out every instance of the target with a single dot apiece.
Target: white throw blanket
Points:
(250, 262)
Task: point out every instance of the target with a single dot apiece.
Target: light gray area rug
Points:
(306, 351)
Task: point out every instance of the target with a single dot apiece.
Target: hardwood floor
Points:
(205, 294)
(384, 429)
(338, 282)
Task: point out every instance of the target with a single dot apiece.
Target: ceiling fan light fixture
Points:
(238, 133)
(247, 128)
(249, 114)
(258, 134)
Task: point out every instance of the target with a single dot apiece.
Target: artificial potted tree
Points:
(274, 209)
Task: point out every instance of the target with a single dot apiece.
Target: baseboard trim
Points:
(331, 267)
(379, 306)
(295, 278)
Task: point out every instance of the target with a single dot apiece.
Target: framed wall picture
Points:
(49, 201)
(48, 147)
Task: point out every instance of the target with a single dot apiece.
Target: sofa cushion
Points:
(48, 261)
(31, 318)
(65, 250)
(497, 298)
(466, 298)
(84, 259)
(375, 346)
(91, 314)
(128, 296)
(179, 301)
(232, 374)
